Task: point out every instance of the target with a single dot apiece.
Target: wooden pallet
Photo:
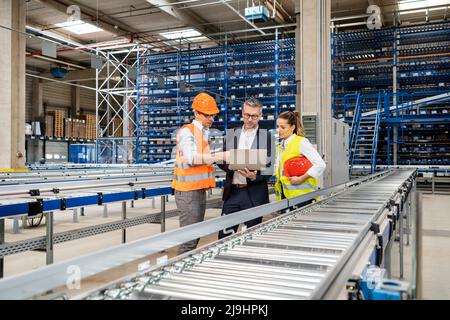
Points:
(58, 123)
(89, 125)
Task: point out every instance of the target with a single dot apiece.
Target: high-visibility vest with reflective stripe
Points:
(187, 177)
(283, 183)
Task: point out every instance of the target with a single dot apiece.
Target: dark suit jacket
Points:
(258, 189)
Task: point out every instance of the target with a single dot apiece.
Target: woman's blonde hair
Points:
(293, 118)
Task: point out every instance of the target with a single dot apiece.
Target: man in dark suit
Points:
(245, 189)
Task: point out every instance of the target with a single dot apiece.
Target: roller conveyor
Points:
(36, 192)
(51, 176)
(298, 255)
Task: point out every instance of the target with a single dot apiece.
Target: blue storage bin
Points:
(82, 153)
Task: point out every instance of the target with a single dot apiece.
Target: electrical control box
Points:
(339, 152)
(257, 13)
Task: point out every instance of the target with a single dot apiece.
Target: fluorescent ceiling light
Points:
(183, 34)
(419, 4)
(78, 27)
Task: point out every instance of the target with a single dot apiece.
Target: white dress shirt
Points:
(307, 150)
(186, 141)
(245, 142)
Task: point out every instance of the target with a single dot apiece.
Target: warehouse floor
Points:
(436, 248)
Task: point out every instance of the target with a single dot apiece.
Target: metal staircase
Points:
(364, 137)
(354, 122)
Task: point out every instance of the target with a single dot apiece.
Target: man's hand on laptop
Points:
(221, 156)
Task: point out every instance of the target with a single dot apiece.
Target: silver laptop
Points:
(253, 159)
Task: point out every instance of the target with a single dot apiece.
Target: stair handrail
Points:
(355, 130)
(376, 129)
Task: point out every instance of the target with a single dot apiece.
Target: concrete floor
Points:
(436, 244)
(435, 249)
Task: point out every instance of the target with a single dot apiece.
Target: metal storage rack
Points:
(424, 71)
(167, 83)
(264, 70)
(411, 64)
(158, 110)
(362, 62)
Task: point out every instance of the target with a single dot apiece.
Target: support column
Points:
(126, 149)
(313, 71)
(12, 79)
(16, 225)
(401, 241)
(35, 148)
(105, 211)
(75, 109)
(75, 215)
(395, 145)
(163, 213)
(416, 212)
(395, 99)
(38, 100)
(124, 217)
(2, 241)
(49, 237)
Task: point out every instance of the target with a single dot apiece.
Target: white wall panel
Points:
(57, 94)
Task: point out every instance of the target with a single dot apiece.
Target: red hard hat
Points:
(296, 167)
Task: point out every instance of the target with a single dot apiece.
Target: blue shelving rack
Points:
(362, 62)
(410, 63)
(231, 73)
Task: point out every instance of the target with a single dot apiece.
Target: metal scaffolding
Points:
(116, 106)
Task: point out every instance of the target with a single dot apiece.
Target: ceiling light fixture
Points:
(78, 27)
(420, 4)
(194, 35)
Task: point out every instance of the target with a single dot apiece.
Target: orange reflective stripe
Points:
(195, 170)
(190, 186)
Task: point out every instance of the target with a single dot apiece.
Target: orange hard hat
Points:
(204, 103)
(296, 167)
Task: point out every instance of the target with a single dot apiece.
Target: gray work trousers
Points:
(191, 206)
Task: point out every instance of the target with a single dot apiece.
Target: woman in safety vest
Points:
(292, 148)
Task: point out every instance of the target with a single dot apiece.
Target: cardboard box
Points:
(75, 128)
(68, 128)
(82, 129)
(49, 125)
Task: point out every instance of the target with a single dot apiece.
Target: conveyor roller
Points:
(294, 256)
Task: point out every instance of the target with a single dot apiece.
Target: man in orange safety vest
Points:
(193, 170)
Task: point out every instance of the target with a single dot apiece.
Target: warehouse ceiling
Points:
(202, 23)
